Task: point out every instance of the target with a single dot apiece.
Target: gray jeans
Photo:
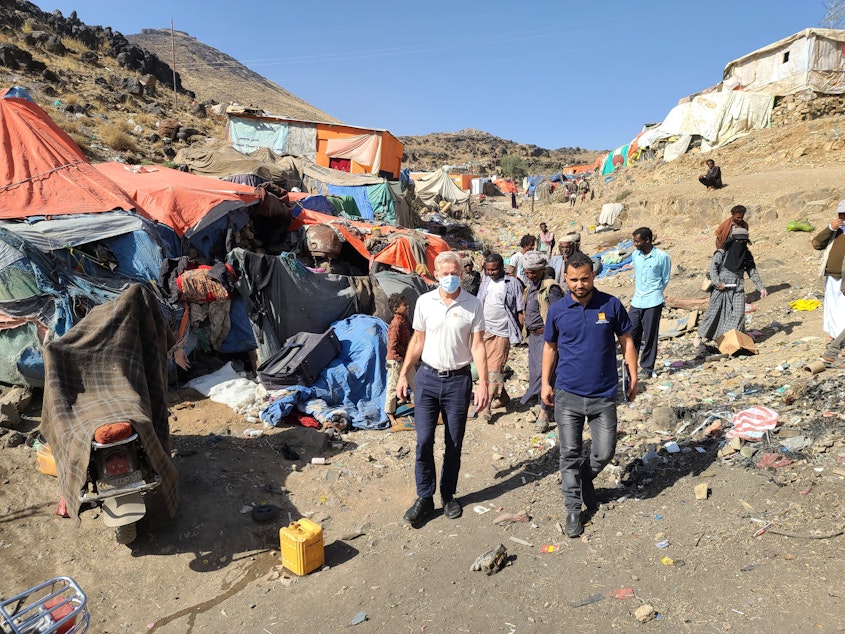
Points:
(570, 413)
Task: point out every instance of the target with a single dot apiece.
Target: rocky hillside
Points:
(479, 152)
(216, 77)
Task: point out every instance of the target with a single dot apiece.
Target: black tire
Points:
(265, 512)
(126, 534)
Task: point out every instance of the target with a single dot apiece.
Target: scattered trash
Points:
(521, 541)
(667, 561)
(481, 510)
(265, 512)
(750, 424)
(701, 491)
(253, 433)
(773, 461)
(491, 561)
(510, 518)
(594, 598)
(358, 619)
(318, 460)
(622, 593)
(658, 517)
(664, 543)
(549, 548)
(762, 530)
(804, 304)
(672, 447)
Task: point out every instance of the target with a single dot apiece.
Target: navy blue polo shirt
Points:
(586, 338)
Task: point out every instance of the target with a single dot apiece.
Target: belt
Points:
(447, 374)
(537, 331)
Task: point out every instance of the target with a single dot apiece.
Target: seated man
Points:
(713, 178)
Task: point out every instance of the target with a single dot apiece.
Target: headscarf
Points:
(736, 250)
(533, 260)
(723, 231)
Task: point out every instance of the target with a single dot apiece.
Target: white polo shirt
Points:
(448, 329)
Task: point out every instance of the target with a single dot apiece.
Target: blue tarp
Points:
(612, 268)
(356, 379)
(359, 193)
(283, 403)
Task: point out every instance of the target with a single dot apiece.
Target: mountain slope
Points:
(214, 76)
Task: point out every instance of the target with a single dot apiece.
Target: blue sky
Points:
(555, 74)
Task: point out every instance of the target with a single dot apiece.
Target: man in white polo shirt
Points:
(448, 336)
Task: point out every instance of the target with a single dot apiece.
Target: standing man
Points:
(541, 293)
(448, 335)
(501, 299)
(712, 179)
(582, 330)
(471, 279)
(569, 244)
(652, 268)
(832, 268)
(545, 240)
(515, 268)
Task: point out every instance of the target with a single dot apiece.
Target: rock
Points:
(9, 416)
(20, 397)
(13, 439)
(701, 491)
(644, 613)
(663, 417)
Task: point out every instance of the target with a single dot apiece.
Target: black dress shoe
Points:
(452, 509)
(421, 510)
(573, 524)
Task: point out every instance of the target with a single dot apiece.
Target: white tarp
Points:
(811, 59)
(717, 117)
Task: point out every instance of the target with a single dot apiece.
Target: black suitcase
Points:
(300, 361)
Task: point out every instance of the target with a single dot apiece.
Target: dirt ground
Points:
(214, 569)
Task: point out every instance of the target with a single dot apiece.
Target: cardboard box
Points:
(735, 341)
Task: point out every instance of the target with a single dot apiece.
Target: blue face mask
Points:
(450, 283)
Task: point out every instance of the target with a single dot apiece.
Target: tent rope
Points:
(40, 174)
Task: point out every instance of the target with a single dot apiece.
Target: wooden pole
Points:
(173, 61)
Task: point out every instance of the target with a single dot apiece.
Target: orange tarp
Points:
(43, 172)
(177, 199)
(398, 254)
(506, 186)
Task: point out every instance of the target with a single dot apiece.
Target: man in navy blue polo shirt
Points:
(582, 330)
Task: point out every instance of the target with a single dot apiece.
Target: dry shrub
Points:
(81, 140)
(116, 137)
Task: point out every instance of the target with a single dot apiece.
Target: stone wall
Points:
(806, 107)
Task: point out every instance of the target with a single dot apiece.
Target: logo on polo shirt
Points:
(602, 319)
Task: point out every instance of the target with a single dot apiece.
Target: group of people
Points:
(574, 332)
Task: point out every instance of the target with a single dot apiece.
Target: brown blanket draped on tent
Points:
(110, 367)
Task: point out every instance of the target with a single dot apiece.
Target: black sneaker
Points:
(452, 509)
(573, 526)
(420, 511)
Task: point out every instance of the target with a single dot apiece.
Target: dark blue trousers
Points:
(646, 327)
(435, 396)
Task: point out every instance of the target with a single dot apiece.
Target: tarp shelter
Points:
(191, 206)
(42, 171)
(439, 186)
(401, 253)
(342, 147)
(813, 59)
(374, 196)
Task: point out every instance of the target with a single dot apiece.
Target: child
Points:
(398, 337)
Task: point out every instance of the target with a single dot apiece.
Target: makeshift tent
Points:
(809, 60)
(42, 171)
(438, 186)
(191, 206)
(374, 197)
(401, 253)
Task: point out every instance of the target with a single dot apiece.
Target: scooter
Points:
(118, 476)
(58, 605)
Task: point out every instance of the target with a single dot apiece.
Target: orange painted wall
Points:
(577, 169)
(464, 181)
(391, 147)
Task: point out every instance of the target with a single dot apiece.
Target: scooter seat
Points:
(113, 432)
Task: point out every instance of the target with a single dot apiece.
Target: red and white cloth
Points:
(752, 423)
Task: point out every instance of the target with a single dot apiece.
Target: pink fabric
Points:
(364, 149)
